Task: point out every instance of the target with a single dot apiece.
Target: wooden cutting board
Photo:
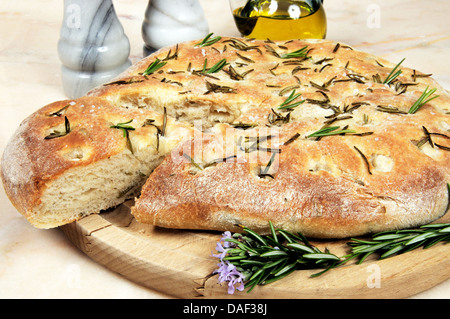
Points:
(180, 263)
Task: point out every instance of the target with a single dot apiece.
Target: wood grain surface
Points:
(180, 263)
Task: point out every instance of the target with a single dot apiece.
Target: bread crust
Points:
(401, 186)
(31, 163)
(382, 174)
(337, 199)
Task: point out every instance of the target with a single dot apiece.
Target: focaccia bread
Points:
(246, 146)
(77, 157)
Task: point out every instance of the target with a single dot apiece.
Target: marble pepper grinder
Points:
(170, 22)
(92, 47)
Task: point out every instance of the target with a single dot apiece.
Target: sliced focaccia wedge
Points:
(73, 158)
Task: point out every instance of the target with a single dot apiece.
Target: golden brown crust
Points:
(384, 173)
(323, 188)
(32, 160)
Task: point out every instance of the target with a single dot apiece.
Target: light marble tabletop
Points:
(43, 263)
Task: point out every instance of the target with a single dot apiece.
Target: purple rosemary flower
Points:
(223, 245)
(227, 271)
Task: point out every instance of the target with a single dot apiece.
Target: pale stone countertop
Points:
(43, 263)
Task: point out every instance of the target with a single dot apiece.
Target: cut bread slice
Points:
(73, 158)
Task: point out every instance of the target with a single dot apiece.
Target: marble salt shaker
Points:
(170, 22)
(92, 47)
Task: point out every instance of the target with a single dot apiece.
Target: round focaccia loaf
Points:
(73, 158)
(388, 169)
(379, 167)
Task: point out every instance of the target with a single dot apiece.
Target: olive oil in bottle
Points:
(281, 19)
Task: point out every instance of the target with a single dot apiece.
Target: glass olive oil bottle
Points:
(281, 19)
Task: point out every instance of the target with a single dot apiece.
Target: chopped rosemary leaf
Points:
(439, 134)
(319, 102)
(215, 68)
(300, 53)
(216, 88)
(234, 75)
(56, 134)
(422, 100)
(154, 66)
(364, 158)
(238, 44)
(292, 139)
(335, 118)
(318, 86)
(60, 111)
(428, 139)
(243, 126)
(328, 131)
(276, 118)
(379, 63)
(207, 41)
(329, 64)
(336, 47)
(255, 144)
(124, 82)
(245, 58)
(191, 160)
(428, 136)
(173, 56)
(323, 60)
(445, 148)
(219, 160)
(358, 78)
(287, 89)
(271, 50)
(414, 76)
(163, 130)
(291, 97)
(125, 128)
(390, 109)
(365, 118)
(394, 73)
(266, 169)
(150, 122)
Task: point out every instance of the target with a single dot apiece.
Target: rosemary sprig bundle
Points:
(215, 68)
(422, 100)
(300, 53)
(265, 259)
(393, 74)
(248, 259)
(154, 66)
(390, 243)
(289, 99)
(330, 130)
(207, 41)
(125, 128)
